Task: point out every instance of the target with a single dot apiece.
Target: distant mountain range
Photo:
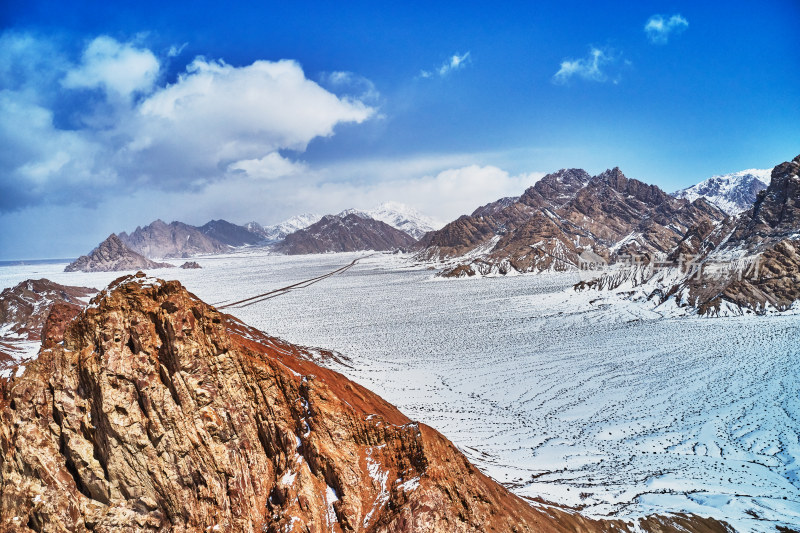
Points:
(404, 218)
(175, 239)
(113, 255)
(561, 216)
(389, 226)
(559, 222)
(733, 193)
(277, 232)
(345, 232)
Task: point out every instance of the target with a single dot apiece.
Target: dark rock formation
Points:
(190, 265)
(112, 255)
(563, 215)
(231, 234)
(349, 233)
(172, 240)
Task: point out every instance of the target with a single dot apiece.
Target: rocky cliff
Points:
(748, 263)
(347, 233)
(563, 216)
(23, 310)
(175, 239)
(112, 255)
(152, 411)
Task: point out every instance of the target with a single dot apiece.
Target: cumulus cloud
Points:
(116, 67)
(215, 121)
(446, 194)
(593, 67)
(454, 62)
(659, 28)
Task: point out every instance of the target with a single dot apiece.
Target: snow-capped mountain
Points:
(277, 232)
(345, 232)
(733, 193)
(404, 218)
(397, 215)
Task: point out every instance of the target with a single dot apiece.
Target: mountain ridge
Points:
(734, 193)
(152, 411)
(113, 255)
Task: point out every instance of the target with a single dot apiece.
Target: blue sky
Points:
(114, 114)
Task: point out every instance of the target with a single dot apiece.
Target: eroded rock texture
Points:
(152, 411)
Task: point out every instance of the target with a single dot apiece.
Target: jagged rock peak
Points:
(614, 177)
(112, 255)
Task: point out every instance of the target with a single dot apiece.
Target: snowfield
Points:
(603, 405)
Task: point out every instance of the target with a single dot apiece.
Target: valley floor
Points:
(611, 408)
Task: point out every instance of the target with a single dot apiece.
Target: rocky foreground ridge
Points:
(152, 411)
(112, 255)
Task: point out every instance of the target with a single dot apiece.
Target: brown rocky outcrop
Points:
(112, 255)
(747, 263)
(158, 413)
(24, 307)
(176, 239)
(23, 310)
(765, 241)
(348, 233)
(565, 214)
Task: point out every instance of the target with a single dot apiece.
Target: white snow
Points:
(726, 191)
(278, 231)
(607, 403)
(404, 218)
(330, 497)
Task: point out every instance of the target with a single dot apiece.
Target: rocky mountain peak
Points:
(556, 188)
(733, 193)
(112, 255)
(346, 232)
(776, 211)
(615, 178)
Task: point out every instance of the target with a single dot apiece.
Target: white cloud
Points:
(217, 114)
(271, 166)
(350, 85)
(591, 68)
(454, 62)
(445, 195)
(659, 29)
(175, 51)
(216, 120)
(114, 66)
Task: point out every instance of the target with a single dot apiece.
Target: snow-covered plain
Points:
(605, 406)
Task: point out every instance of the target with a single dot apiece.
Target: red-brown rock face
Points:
(158, 413)
(563, 215)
